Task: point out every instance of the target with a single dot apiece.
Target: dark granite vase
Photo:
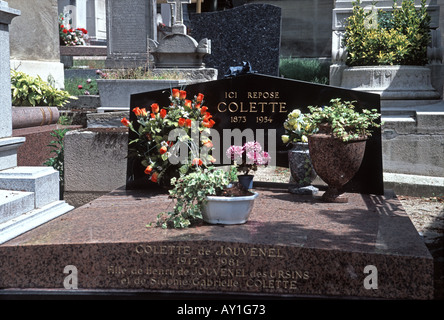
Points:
(301, 169)
(336, 162)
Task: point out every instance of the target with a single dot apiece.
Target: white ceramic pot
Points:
(228, 210)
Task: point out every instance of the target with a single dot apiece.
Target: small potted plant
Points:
(254, 156)
(209, 194)
(297, 129)
(337, 149)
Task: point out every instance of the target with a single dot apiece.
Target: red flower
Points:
(155, 108)
(65, 31)
(208, 124)
(203, 110)
(200, 97)
(148, 170)
(197, 162)
(175, 93)
(62, 26)
(181, 122)
(188, 103)
(125, 122)
(163, 113)
(182, 94)
(152, 115)
(80, 87)
(188, 122)
(137, 111)
(163, 150)
(154, 177)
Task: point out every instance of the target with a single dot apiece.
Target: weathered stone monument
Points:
(179, 52)
(130, 23)
(29, 196)
(36, 54)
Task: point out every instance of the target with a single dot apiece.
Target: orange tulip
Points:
(163, 150)
(197, 162)
(203, 110)
(125, 122)
(154, 177)
(155, 108)
(200, 97)
(181, 122)
(148, 170)
(182, 94)
(163, 113)
(188, 122)
(175, 93)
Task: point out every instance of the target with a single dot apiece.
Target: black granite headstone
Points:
(255, 101)
(250, 33)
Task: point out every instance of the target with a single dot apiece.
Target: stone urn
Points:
(301, 169)
(336, 162)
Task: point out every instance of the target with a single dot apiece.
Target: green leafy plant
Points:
(310, 70)
(343, 120)
(57, 161)
(399, 37)
(190, 192)
(33, 91)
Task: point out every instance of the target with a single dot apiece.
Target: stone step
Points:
(32, 219)
(15, 203)
(43, 181)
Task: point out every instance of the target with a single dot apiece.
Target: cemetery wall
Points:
(34, 39)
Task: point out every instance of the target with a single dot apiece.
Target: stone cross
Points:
(178, 19)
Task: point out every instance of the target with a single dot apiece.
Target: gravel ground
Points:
(426, 213)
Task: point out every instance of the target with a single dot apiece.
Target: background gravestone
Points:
(129, 25)
(246, 33)
(263, 102)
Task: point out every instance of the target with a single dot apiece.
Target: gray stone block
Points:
(15, 203)
(34, 218)
(43, 181)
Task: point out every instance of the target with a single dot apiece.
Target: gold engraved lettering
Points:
(262, 95)
(219, 107)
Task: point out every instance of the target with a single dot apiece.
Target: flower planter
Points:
(301, 169)
(24, 117)
(228, 210)
(336, 162)
(391, 82)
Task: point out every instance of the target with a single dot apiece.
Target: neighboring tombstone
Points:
(129, 25)
(261, 103)
(247, 33)
(8, 145)
(179, 50)
(34, 39)
(29, 196)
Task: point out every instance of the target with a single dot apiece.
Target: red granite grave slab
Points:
(292, 245)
